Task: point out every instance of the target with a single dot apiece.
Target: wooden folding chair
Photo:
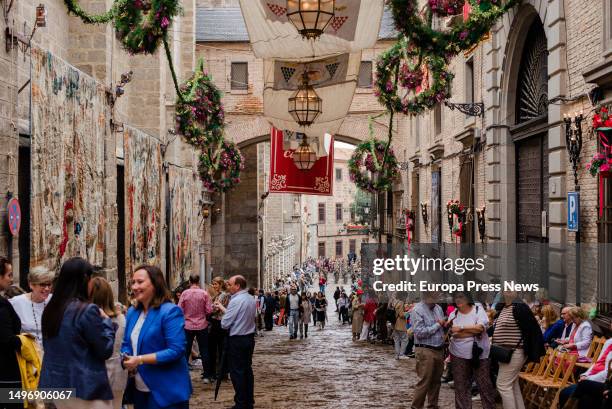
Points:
(548, 389)
(592, 353)
(544, 368)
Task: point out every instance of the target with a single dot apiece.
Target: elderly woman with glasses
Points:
(29, 307)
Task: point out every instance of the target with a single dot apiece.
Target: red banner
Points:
(285, 177)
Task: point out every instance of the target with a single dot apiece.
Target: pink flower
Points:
(165, 22)
(604, 168)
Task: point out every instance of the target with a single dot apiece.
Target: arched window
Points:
(532, 81)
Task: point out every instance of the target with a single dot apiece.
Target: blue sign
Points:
(573, 211)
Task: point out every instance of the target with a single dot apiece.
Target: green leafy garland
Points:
(373, 166)
(462, 36)
(74, 8)
(393, 68)
(220, 166)
(141, 25)
(199, 113)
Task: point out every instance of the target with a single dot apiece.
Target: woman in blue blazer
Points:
(154, 343)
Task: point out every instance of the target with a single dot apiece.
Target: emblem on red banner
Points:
(285, 177)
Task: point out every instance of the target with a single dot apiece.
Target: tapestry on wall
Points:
(143, 199)
(183, 223)
(70, 125)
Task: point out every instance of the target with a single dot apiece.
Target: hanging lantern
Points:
(310, 17)
(305, 104)
(304, 157)
(41, 16)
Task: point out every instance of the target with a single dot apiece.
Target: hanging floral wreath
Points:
(199, 111)
(462, 36)
(401, 71)
(220, 166)
(373, 166)
(141, 25)
(599, 163)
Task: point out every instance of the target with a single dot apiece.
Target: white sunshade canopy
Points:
(334, 79)
(354, 27)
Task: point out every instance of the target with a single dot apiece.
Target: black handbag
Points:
(501, 354)
(476, 351)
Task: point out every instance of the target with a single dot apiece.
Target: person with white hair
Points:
(30, 306)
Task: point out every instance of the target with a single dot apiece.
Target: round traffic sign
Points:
(14, 216)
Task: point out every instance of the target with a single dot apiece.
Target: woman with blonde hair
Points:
(581, 336)
(549, 317)
(29, 307)
(101, 294)
(218, 292)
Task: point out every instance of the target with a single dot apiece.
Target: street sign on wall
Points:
(14, 216)
(573, 211)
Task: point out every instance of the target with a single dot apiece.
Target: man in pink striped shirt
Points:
(196, 305)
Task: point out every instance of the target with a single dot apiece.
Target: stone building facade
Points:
(540, 62)
(147, 107)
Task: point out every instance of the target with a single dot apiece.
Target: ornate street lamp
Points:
(304, 157)
(573, 141)
(305, 104)
(310, 17)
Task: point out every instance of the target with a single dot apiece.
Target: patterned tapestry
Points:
(70, 123)
(143, 199)
(183, 223)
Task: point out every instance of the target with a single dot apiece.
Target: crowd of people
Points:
(68, 333)
(480, 348)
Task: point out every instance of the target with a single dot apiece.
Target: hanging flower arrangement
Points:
(402, 80)
(199, 113)
(220, 166)
(445, 8)
(462, 36)
(373, 166)
(141, 25)
(599, 163)
(456, 214)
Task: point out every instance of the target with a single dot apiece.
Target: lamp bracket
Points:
(470, 109)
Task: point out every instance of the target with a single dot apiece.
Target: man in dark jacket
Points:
(560, 330)
(270, 307)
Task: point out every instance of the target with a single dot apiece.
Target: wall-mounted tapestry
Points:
(70, 127)
(143, 199)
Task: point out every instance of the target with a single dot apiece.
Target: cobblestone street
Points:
(326, 370)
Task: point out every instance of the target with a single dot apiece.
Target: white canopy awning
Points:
(333, 78)
(355, 26)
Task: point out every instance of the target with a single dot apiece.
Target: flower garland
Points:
(366, 166)
(74, 8)
(395, 72)
(456, 214)
(220, 169)
(461, 36)
(199, 113)
(141, 25)
(445, 8)
(599, 163)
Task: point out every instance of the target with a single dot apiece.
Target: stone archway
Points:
(236, 245)
(237, 242)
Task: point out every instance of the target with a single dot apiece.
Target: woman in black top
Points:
(321, 307)
(10, 327)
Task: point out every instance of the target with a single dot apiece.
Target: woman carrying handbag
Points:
(517, 339)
